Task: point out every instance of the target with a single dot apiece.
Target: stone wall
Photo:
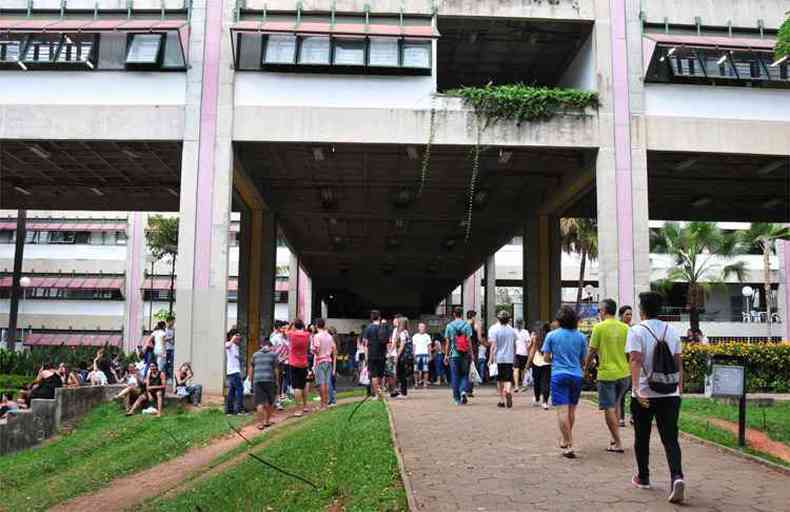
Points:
(44, 418)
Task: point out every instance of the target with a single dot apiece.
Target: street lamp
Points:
(748, 292)
(151, 260)
(24, 283)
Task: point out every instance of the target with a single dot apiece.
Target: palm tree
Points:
(162, 239)
(763, 236)
(694, 248)
(580, 236)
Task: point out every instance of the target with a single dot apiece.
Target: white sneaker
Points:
(678, 493)
(545, 406)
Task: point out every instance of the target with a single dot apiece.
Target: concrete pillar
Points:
(135, 269)
(490, 290)
(205, 196)
(293, 287)
(471, 292)
(621, 165)
(268, 243)
(541, 268)
(304, 303)
(783, 293)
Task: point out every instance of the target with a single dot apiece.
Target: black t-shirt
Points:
(377, 336)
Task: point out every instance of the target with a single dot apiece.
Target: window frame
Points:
(145, 65)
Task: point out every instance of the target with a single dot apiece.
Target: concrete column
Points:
(268, 243)
(490, 290)
(135, 269)
(621, 165)
(541, 267)
(293, 287)
(783, 293)
(471, 292)
(205, 196)
(305, 297)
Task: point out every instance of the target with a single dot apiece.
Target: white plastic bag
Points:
(474, 375)
(364, 378)
(493, 371)
(527, 382)
(247, 386)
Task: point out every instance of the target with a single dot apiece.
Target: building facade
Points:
(337, 122)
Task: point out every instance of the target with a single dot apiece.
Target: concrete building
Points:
(313, 117)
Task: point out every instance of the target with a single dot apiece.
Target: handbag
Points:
(493, 370)
(474, 375)
(364, 378)
(247, 386)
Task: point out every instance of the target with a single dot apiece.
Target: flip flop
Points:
(612, 449)
(261, 427)
(569, 453)
(298, 414)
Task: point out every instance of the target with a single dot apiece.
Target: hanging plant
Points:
(782, 47)
(426, 157)
(523, 103)
(473, 182)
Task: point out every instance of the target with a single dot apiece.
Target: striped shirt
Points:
(264, 362)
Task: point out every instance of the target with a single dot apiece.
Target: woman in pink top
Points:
(323, 348)
(299, 339)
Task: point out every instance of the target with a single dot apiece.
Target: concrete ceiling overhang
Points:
(90, 175)
(476, 51)
(355, 215)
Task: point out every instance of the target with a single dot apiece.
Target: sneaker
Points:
(464, 399)
(501, 404)
(456, 402)
(535, 403)
(545, 406)
(622, 423)
(678, 493)
(641, 484)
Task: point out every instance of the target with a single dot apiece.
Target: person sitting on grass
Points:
(133, 387)
(154, 393)
(7, 405)
(262, 372)
(184, 386)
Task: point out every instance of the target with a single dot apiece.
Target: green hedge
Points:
(14, 381)
(29, 362)
(768, 365)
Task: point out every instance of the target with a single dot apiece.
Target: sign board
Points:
(725, 381)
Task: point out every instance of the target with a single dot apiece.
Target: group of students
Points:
(286, 363)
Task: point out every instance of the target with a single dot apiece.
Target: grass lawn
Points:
(774, 421)
(352, 462)
(104, 445)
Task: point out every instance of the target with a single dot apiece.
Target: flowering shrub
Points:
(767, 365)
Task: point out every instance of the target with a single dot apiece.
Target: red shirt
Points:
(299, 340)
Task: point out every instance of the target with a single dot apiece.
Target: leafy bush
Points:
(767, 365)
(10, 382)
(28, 362)
(523, 103)
(782, 47)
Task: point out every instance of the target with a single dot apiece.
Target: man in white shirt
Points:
(422, 343)
(646, 403)
(522, 353)
(502, 342)
(234, 400)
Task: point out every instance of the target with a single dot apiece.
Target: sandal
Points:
(568, 453)
(298, 414)
(612, 449)
(261, 427)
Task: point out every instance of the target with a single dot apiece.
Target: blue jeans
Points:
(482, 368)
(170, 355)
(459, 376)
(332, 398)
(235, 397)
(438, 365)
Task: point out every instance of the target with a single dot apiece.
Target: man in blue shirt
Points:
(458, 352)
(565, 348)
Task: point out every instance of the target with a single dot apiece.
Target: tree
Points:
(162, 240)
(763, 236)
(697, 249)
(580, 236)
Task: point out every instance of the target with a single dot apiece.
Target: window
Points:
(82, 237)
(416, 54)
(144, 49)
(112, 51)
(6, 236)
(314, 50)
(383, 52)
(40, 50)
(62, 237)
(174, 55)
(280, 50)
(120, 238)
(76, 51)
(249, 48)
(36, 237)
(349, 52)
(9, 50)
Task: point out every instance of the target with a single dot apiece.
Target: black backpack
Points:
(665, 377)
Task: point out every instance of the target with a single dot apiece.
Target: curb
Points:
(410, 499)
(737, 453)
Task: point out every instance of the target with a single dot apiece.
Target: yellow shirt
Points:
(608, 339)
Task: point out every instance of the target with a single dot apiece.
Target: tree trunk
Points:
(172, 287)
(767, 275)
(695, 305)
(581, 276)
(694, 317)
(19, 252)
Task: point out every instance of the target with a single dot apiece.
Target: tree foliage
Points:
(580, 236)
(782, 47)
(162, 236)
(523, 103)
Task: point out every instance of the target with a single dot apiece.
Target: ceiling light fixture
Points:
(701, 201)
(38, 151)
(721, 59)
(780, 61)
(772, 203)
(318, 154)
(22, 190)
(672, 51)
(21, 65)
(769, 168)
(130, 153)
(171, 191)
(685, 164)
(96, 191)
(412, 152)
(505, 156)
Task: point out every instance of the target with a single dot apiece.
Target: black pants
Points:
(541, 381)
(403, 377)
(666, 411)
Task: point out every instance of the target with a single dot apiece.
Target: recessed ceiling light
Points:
(701, 201)
(130, 153)
(771, 167)
(318, 154)
(38, 151)
(171, 191)
(685, 164)
(772, 203)
(412, 152)
(22, 190)
(96, 191)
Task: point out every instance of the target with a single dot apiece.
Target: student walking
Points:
(422, 355)
(235, 397)
(299, 341)
(566, 349)
(405, 356)
(541, 369)
(323, 346)
(502, 342)
(626, 315)
(457, 353)
(478, 340)
(522, 354)
(375, 338)
(656, 378)
(262, 373)
(614, 375)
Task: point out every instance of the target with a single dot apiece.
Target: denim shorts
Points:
(611, 391)
(421, 363)
(565, 389)
(323, 373)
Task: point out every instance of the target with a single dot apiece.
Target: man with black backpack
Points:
(375, 338)
(458, 353)
(657, 378)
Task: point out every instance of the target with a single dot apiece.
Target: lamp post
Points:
(24, 283)
(151, 260)
(747, 292)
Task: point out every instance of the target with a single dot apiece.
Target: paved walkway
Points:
(481, 458)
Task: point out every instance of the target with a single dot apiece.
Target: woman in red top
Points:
(299, 340)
